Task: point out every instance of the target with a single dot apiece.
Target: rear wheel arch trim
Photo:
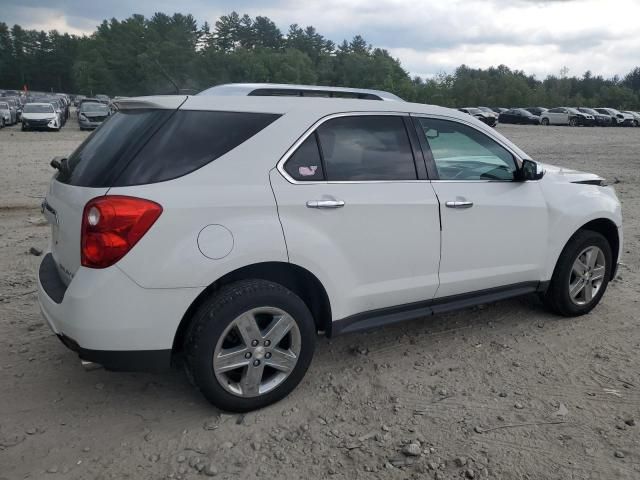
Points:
(298, 279)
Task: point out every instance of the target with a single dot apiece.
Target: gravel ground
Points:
(502, 391)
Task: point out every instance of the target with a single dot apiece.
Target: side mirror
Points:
(432, 133)
(531, 170)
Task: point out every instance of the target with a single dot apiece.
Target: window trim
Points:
(417, 153)
(428, 155)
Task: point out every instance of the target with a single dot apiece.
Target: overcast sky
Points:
(428, 36)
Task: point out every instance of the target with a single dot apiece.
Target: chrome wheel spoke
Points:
(588, 291)
(251, 379)
(579, 268)
(597, 273)
(230, 359)
(592, 257)
(248, 328)
(279, 328)
(575, 289)
(282, 360)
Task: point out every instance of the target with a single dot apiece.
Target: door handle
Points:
(459, 204)
(325, 204)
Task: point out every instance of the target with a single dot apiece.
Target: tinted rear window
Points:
(146, 146)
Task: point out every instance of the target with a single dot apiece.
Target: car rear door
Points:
(359, 213)
(494, 228)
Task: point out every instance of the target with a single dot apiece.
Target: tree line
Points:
(157, 55)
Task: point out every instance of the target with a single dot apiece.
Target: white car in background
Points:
(222, 233)
(566, 116)
(40, 116)
(7, 114)
(621, 119)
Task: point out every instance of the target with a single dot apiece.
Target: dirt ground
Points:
(504, 391)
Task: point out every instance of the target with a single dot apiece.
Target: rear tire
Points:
(573, 122)
(545, 122)
(234, 364)
(575, 290)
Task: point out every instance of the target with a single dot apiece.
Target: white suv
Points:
(223, 233)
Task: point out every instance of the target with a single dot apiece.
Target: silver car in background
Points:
(7, 116)
(92, 114)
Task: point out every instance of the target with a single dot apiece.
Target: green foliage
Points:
(142, 56)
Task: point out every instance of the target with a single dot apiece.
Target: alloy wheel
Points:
(587, 275)
(257, 351)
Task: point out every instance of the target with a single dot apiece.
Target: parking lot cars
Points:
(519, 116)
(480, 115)
(635, 115)
(621, 119)
(566, 116)
(92, 114)
(40, 116)
(489, 112)
(270, 197)
(538, 111)
(7, 114)
(601, 119)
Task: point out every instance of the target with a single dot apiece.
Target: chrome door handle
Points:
(459, 204)
(325, 204)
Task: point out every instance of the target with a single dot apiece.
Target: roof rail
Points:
(288, 90)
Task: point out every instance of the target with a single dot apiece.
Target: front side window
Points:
(461, 152)
(366, 148)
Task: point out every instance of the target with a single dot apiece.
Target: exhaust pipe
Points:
(89, 366)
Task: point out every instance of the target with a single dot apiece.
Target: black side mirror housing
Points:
(531, 171)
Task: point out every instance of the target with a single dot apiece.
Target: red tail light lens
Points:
(112, 225)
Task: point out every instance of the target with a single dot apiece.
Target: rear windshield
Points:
(138, 147)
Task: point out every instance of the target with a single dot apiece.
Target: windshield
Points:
(474, 110)
(92, 107)
(4, 106)
(572, 110)
(34, 108)
(588, 110)
(524, 112)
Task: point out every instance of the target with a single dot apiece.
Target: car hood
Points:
(567, 175)
(38, 116)
(94, 114)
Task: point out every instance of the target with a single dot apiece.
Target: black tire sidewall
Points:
(559, 288)
(213, 318)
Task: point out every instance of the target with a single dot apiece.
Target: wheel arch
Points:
(608, 229)
(297, 279)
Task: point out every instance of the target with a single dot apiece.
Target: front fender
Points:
(571, 206)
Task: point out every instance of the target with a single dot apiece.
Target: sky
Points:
(428, 36)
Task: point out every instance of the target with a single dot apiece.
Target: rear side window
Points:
(305, 164)
(368, 147)
(146, 146)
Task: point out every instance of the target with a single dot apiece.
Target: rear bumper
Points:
(107, 318)
(122, 360)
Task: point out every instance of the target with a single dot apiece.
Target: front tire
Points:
(249, 345)
(545, 122)
(573, 122)
(581, 275)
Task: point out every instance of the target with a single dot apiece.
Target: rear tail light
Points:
(112, 225)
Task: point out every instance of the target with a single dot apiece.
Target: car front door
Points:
(494, 227)
(358, 212)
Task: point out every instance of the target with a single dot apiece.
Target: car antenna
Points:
(166, 75)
